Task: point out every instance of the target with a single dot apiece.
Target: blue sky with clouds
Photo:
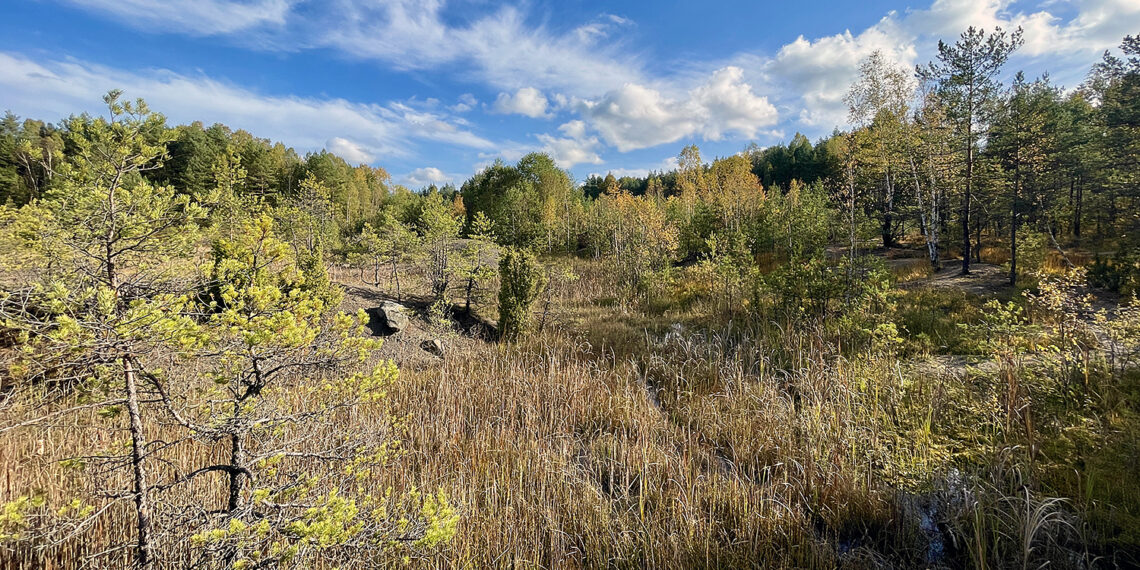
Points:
(433, 90)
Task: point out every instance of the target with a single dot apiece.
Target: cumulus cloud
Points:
(635, 116)
(466, 102)
(527, 101)
(1097, 25)
(194, 17)
(729, 105)
(49, 89)
(573, 148)
(348, 150)
(428, 175)
(817, 72)
(821, 71)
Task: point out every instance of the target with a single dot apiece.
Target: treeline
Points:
(945, 156)
(32, 150)
(950, 154)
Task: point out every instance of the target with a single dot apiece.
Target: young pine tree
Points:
(522, 279)
(104, 247)
(286, 371)
(387, 244)
(474, 267)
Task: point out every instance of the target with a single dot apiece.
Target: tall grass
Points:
(617, 440)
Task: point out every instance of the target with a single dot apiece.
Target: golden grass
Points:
(605, 443)
(904, 270)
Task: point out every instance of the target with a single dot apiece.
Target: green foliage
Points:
(273, 334)
(779, 165)
(438, 227)
(522, 279)
(799, 222)
(528, 203)
(795, 376)
(854, 302)
(1032, 247)
(389, 244)
(1120, 274)
(476, 259)
(638, 240)
(265, 362)
(309, 219)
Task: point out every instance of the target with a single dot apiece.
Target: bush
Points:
(1119, 275)
(1031, 249)
(522, 279)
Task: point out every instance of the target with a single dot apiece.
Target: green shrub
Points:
(1121, 274)
(522, 279)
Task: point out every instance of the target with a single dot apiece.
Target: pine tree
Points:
(966, 76)
(106, 245)
(522, 279)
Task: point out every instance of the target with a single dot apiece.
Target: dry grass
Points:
(910, 269)
(612, 441)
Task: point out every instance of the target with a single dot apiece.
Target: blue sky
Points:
(434, 90)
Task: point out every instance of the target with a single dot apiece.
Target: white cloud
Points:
(1101, 24)
(500, 48)
(348, 150)
(600, 28)
(821, 71)
(665, 165)
(433, 126)
(818, 72)
(1097, 25)
(48, 89)
(466, 102)
(635, 116)
(948, 18)
(574, 148)
(508, 151)
(428, 175)
(728, 105)
(585, 67)
(574, 129)
(527, 101)
(194, 17)
(622, 173)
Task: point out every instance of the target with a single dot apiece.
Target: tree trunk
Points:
(928, 225)
(238, 476)
(888, 212)
(467, 300)
(978, 241)
(1013, 227)
(1077, 211)
(966, 199)
(143, 555)
(237, 473)
(396, 276)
